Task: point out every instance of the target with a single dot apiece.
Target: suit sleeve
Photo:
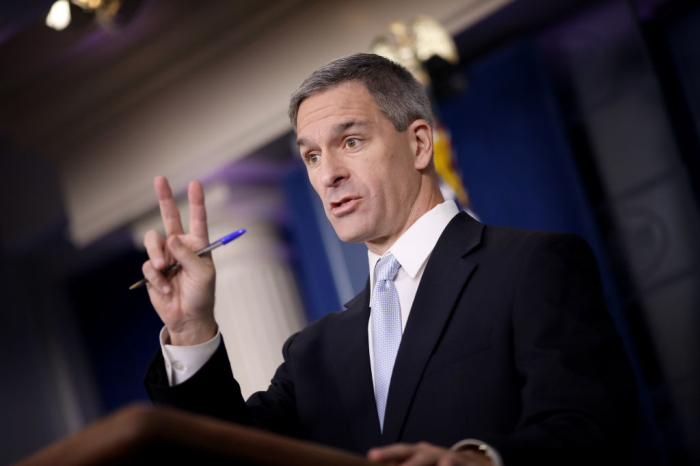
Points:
(578, 393)
(213, 391)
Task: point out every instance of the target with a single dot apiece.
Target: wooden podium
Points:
(146, 435)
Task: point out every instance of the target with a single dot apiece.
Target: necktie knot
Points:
(387, 268)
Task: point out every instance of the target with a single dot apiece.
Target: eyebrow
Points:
(339, 129)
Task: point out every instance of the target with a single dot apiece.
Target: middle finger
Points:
(168, 208)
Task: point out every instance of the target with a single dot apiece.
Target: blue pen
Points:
(226, 239)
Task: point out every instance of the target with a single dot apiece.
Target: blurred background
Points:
(580, 116)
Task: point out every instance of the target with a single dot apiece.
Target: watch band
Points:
(481, 447)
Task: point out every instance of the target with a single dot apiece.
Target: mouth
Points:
(344, 205)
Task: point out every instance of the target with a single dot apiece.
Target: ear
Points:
(421, 139)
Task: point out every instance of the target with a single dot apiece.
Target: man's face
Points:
(361, 167)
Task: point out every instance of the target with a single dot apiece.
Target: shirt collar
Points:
(413, 248)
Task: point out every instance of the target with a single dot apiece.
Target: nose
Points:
(333, 170)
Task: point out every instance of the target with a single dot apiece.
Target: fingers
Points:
(155, 278)
(168, 208)
(155, 247)
(158, 260)
(395, 452)
(422, 458)
(187, 257)
(419, 454)
(198, 213)
(451, 460)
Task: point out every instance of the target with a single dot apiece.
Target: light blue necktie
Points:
(386, 329)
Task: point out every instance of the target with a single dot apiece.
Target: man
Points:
(490, 340)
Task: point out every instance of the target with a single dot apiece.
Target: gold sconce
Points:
(413, 44)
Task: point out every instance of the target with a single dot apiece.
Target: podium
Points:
(141, 434)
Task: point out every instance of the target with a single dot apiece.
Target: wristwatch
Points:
(481, 447)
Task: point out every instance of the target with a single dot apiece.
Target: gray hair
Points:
(400, 97)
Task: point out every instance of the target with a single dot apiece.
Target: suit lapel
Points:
(351, 366)
(444, 278)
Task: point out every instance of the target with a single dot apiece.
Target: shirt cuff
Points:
(182, 362)
(473, 444)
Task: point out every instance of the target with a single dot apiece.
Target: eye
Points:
(312, 158)
(352, 143)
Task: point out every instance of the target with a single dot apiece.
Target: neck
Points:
(426, 200)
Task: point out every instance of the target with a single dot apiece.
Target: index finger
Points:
(168, 208)
(198, 213)
(396, 452)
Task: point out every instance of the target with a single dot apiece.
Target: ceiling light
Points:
(59, 15)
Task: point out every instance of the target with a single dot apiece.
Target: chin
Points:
(348, 235)
(350, 238)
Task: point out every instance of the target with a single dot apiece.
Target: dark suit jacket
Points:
(508, 341)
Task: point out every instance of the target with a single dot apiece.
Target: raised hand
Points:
(185, 301)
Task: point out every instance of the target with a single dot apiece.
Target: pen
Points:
(226, 239)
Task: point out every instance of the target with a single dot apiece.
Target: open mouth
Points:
(343, 205)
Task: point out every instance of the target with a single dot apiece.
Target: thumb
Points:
(185, 256)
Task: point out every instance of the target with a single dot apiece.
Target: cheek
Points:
(316, 185)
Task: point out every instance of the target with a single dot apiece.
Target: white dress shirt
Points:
(182, 362)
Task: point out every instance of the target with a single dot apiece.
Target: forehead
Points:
(347, 100)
